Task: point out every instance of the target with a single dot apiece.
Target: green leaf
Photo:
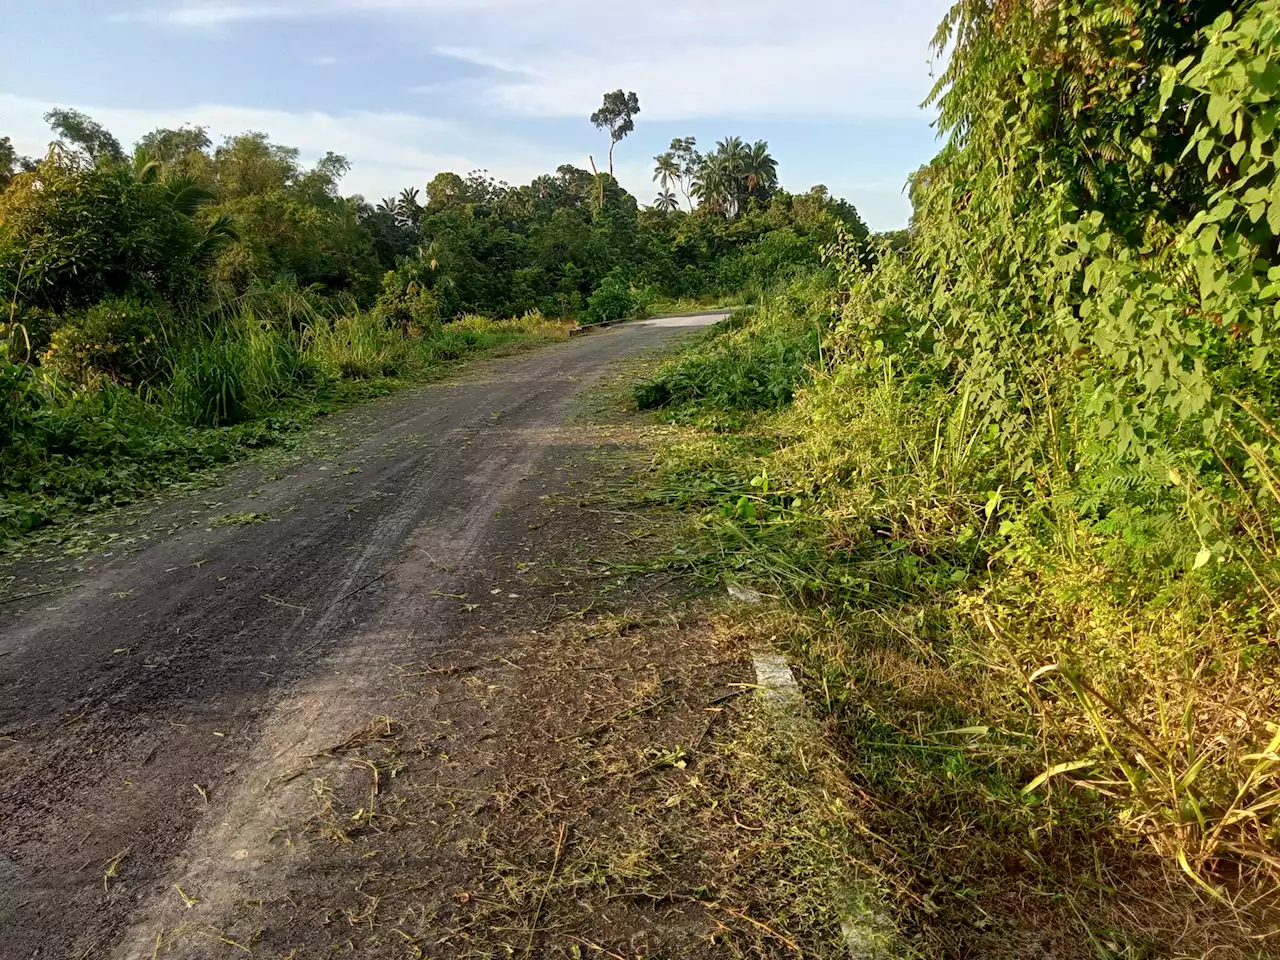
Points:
(1056, 770)
(1199, 880)
(1217, 109)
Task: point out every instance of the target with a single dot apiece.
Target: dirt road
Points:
(164, 719)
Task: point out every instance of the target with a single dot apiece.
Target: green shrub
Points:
(280, 364)
(612, 300)
(360, 346)
(414, 309)
(754, 361)
(120, 339)
(1053, 425)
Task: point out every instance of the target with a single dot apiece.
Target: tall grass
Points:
(249, 375)
(359, 346)
(753, 361)
(1044, 667)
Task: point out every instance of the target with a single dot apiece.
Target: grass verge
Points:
(1038, 759)
(66, 452)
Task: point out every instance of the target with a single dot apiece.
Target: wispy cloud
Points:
(479, 58)
(211, 13)
(387, 150)
(850, 58)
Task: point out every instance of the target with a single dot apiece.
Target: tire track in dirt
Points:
(144, 714)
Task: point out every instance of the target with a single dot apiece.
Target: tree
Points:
(75, 129)
(761, 170)
(711, 184)
(8, 162)
(617, 115)
(666, 170)
(733, 153)
(176, 147)
(685, 152)
(291, 221)
(666, 200)
(446, 191)
(71, 235)
(408, 209)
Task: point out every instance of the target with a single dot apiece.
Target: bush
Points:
(413, 310)
(751, 362)
(360, 346)
(211, 383)
(612, 300)
(414, 299)
(120, 339)
(73, 234)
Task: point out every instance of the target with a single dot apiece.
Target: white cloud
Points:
(830, 63)
(481, 59)
(213, 13)
(714, 81)
(686, 58)
(387, 150)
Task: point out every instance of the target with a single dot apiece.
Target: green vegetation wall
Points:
(1081, 341)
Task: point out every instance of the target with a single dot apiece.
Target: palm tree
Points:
(732, 155)
(667, 170)
(186, 194)
(712, 184)
(217, 235)
(762, 169)
(145, 167)
(186, 197)
(408, 210)
(667, 201)
(388, 206)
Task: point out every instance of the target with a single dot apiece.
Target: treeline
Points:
(1031, 476)
(183, 286)
(184, 224)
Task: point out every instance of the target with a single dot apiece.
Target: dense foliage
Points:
(192, 286)
(1040, 445)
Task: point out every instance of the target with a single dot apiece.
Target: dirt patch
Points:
(411, 700)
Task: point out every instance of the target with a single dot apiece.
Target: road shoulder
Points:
(586, 770)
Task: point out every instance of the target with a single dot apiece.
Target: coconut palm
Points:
(734, 151)
(145, 167)
(220, 233)
(667, 200)
(186, 194)
(408, 209)
(667, 170)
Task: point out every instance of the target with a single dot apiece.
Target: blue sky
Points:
(407, 88)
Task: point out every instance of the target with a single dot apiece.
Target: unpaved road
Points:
(155, 716)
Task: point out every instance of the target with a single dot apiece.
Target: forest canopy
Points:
(188, 224)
